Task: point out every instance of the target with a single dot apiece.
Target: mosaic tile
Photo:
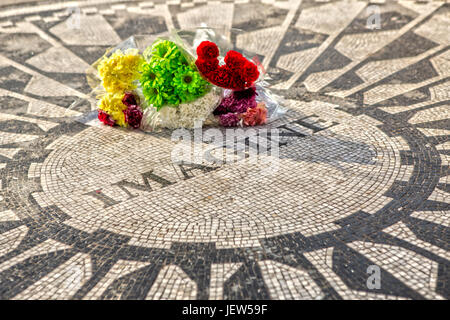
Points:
(355, 205)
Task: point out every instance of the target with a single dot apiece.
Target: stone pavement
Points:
(361, 193)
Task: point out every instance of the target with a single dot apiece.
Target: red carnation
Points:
(133, 116)
(236, 82)
(207, 66)
(207, 50)
(234, 60)
(245, 94)
(238, 73)
(220, 77)
(105, 118)
(256, 116)
(250, 72)
(224, 77)
(129, 99)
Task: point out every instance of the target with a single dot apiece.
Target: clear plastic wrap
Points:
(223, 39)
(108, 93)
(182, 115)
(186, 113)
(92, 75)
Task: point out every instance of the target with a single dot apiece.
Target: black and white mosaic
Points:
(362, 186)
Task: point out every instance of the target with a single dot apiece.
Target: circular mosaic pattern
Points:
(361, 181)
(236, 210)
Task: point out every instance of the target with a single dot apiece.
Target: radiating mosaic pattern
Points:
(93, 212)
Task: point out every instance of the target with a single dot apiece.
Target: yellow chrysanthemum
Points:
(112, 104)
(120, 70)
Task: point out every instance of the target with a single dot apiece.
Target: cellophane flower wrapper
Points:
(104, 96)
(114, 99)
(92, 74)
(183, 114)
(221, 37)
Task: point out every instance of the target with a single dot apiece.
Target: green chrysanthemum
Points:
(152, 77)
(168, 78)
(183, 79)
(167, 55)
(188, 84)
(172, 98)
(164, 49)
(154, 96)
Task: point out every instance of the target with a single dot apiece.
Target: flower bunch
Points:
(169, 79)
(119, 73)
(133, 113)
(255, 116)
(168, 87)
(240, 107)
(111, 109)
(238, 72)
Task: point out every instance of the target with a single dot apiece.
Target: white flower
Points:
(185, 114)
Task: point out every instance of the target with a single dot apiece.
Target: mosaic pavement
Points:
(89, 212)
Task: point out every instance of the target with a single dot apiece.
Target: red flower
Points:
(129, 99)
(250, 72)
(229, 120)
(224, 77)
(220, 77)
(238, 73)
(245, 94)
(234, 60)
(133, 116)
(105, 118)
(207, 50)
(236, 82)
(206, 67)
(256, 116)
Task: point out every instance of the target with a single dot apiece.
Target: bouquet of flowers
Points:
(174, 88)
(167, 86)
(238, 75)
(119, 73)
